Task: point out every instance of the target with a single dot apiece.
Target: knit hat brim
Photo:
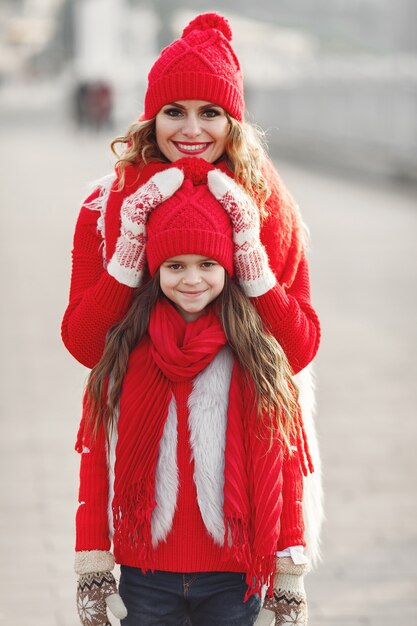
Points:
(171, 243)
(189, 86)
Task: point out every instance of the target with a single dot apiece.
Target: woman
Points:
(194, 106)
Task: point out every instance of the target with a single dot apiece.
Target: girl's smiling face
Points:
(192, 128)
(191, 282)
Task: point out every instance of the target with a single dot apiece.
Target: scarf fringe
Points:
(260, 570)
(132, 515)
(236, 540)
(261, 573)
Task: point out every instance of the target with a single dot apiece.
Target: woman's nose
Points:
(192, 127)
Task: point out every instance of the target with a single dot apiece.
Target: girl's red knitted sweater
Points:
(97, 300)
(188, 546)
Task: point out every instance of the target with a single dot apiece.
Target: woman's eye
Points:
(211, 113)
(208, 264)
(173, 112)
(175, 266)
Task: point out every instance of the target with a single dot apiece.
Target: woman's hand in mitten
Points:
(250, 257)
(289, 602)
(128, 261)
(97, 588)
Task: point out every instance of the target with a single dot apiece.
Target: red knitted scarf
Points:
(281, 231)
(175, 351)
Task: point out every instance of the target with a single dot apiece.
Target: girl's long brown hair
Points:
(258, 352)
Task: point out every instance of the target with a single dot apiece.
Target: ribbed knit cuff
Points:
(290, 576)
(274, 305)
(91, 561)
(111, 295)
(287, 566)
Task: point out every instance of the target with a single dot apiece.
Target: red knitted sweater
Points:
(188, 546)
(97, 300)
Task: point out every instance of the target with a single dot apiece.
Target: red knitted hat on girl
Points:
(201, 65)
(192, 221)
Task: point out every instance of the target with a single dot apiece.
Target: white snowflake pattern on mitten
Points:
(94, 593)
(128, 261)
(97, 588)
(250, 258)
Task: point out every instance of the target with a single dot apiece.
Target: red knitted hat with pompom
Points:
(201, 65)
(192, 221)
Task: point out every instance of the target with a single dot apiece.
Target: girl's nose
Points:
(191, 277)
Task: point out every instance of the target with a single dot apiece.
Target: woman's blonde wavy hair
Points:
(245, 154)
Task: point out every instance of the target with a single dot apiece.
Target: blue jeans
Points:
(195, 599)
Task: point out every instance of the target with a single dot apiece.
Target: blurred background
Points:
(333, 81)
(334, 84)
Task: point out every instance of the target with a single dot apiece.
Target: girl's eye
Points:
(208, 264)
(174, 266)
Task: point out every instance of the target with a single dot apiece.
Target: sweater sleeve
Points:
(96, 299)
(92, 525)
(291, 319)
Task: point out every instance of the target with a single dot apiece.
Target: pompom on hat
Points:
(191, 221)
(201, 65)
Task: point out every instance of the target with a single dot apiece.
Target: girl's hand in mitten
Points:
(250, 257)
(97, 589)
(288, 603)
(128, 261)
(94, 593)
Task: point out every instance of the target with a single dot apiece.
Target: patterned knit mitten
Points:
(250, 257)
(128, 261)
(97, 589)
(289, 602)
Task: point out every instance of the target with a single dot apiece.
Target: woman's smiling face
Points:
(192, 128)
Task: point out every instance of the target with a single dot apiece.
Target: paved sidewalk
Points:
(364, 272)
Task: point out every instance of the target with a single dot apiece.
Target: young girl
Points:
(191, 439)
